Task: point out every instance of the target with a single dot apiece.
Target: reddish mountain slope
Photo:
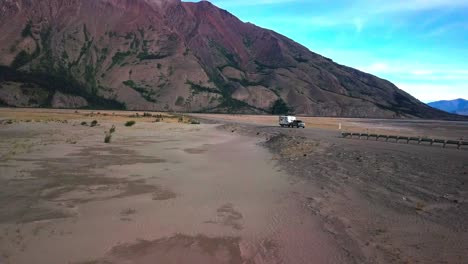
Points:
(170, 55)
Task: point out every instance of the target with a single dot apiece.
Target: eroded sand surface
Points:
(158, 193)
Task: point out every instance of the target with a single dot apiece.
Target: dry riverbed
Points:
(234, 189)
(159, 192)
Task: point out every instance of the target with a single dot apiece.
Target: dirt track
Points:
(234, 192)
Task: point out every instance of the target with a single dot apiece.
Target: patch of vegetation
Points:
(246, 82)
(247, 41)
(158, 65)
(194, 122)
(143, 91)
(119, 58)
(94, 123)
(108, 135)
(231, 58)
(27, 30)
(262, 67)
(145, 55)
(300, 59)
(130, 123)
(90, 77)
(61, 80)
(112, 34)
(280, 107)
(129, 35)
(142, 32)
(180, 101)
(197, 88)
(85, 33)
(21, 59)
(233, 104)
(84, 123)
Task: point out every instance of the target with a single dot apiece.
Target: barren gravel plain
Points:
(233, 189)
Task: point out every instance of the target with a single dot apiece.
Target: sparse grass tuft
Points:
(130, 123)
(194, 122)
(157, 120)
(112, 129)
(128, 211)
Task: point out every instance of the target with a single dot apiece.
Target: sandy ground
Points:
(235, 189)
(158, 193)
(392, 202)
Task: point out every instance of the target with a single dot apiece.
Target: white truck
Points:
(290, 121)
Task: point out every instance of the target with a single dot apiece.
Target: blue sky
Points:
(420, 45)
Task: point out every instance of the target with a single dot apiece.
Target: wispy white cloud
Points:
(415, 5)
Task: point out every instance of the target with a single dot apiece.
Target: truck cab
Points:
(298, 124)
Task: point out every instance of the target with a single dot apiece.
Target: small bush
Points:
(94, 123)
(181, 119)
(157, 120)
(194, 122)
(130, 123)
(112, 129)
(108, 137)
(84, 123)
(147, 114)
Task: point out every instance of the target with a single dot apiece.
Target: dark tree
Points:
(279, 107)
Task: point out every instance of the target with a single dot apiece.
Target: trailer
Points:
(290, 121)
(286, 121)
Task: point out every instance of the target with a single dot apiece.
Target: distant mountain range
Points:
(457, 106)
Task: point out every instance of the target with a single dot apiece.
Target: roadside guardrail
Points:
(405, 139)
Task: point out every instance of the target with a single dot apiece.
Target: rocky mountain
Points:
(457, 106)
(176, 56)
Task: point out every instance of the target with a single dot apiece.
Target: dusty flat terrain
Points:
(396, 203)
(158, 193)
(234, 189)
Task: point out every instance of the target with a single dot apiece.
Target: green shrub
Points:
(94, 123)
(279, 107)
(130, 123)
(27, 30)
(84, 123)
(180, 101)
(112, 129)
